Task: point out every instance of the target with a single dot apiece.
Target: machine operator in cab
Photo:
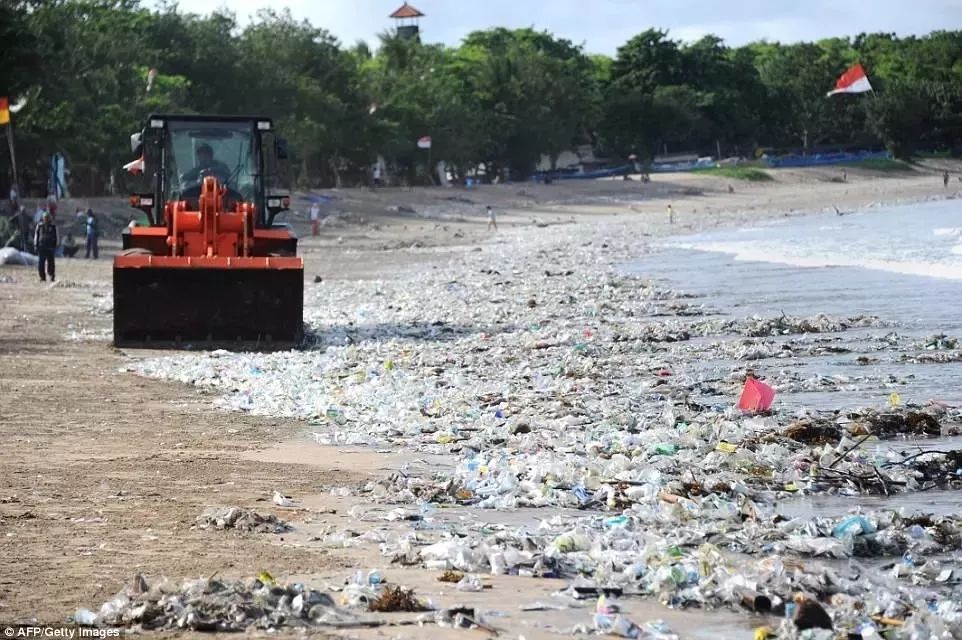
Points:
(206, 165)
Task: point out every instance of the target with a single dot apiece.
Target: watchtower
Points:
(407, 21)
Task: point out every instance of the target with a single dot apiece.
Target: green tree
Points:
(538, 95)
(308, 84)
(797, 78)
(901, 116)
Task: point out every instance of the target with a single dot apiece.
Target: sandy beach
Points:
(110, 457)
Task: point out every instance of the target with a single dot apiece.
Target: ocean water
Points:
(922, 239)
(902, 264)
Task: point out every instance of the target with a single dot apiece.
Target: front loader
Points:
(211, 266)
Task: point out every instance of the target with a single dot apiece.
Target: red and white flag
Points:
(852, 81)
(136, 167)
(424, 143)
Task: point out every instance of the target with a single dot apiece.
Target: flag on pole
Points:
(424, 143)
(852, 81)
(136, 167)
(4, 110)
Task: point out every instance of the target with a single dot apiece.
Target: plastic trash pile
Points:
(9, 255)
(215, 605)
(240, 519)
(550, 380)
(624, 556)
(609, 621)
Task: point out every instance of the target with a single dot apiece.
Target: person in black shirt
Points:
(45, 241)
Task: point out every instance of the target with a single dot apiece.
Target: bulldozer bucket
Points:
(161, 301)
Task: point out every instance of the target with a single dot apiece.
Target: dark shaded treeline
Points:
(502, 97)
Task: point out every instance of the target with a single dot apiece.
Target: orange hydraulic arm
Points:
(210, 231)
(210, 236)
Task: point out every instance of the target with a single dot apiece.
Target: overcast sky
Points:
(603, 25)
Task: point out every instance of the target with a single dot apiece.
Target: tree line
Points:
(501, 98)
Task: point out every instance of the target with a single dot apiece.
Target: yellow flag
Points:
(4, 111)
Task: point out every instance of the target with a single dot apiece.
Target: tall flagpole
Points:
(16, 184)
(13, 165)
(13, 156)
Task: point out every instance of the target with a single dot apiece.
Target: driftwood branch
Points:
(849, 450)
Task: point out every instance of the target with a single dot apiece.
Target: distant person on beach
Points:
(52, 205)
(671, 215)
(844, 175)
(492, 221)
(45, 243)
(945, 179)
(70, 246)
(92, 233)
(376, 174)
(315, 219)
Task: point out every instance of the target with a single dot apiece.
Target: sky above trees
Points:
(604, 25)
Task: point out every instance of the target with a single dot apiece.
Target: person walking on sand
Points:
(492, 221)
(671, 214)
(315, 219)
(45, 242)
(92, 232)
(945, 179)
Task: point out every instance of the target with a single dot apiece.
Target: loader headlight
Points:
(263, 125)
(156, 124)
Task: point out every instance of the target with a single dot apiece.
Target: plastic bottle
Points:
(85, 617)
(335, 415)
(498, 564)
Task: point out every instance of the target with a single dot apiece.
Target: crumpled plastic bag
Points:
(757, 397)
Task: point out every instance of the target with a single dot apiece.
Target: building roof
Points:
(406, 11)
